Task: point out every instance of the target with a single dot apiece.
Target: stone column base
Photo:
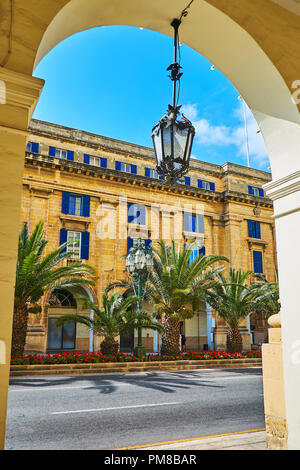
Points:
(276, 430)
(274, 396)
(36, 340)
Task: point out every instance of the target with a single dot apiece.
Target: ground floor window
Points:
(62, 337)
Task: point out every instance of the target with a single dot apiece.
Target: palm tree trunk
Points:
(109, 346)
(170, 336)
(19, 332)
(234, 340)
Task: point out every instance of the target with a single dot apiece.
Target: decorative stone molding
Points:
(73, 222)
(256, 241)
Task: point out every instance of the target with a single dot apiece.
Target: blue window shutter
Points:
(187, 221)
(257, 262)
(161, 177)
(199, 223)
(118, 166)
(212, 186)
(85, 207)
(65, 208)
(131, 212)
(103, 162)
(250, 228)
(261, 192)
(70, 155)
(200, 184)
(147, 172)
(85, 245)
(63, 238)
(187, 180)
(129, 244)
(34, 147)
(52, 151)
(250, 190)
(142, 215)
(202, 251)
(148, 244)
(257, 230)
(134, 169)
(86, 158)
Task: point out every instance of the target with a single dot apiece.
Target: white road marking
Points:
(114, 408)
(48, 388)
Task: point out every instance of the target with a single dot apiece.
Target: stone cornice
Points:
(21, 90)
(284, 186)
(126, 149)
(143, 181)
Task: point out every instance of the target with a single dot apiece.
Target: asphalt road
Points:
(120, 410)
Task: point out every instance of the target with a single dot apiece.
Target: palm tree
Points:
(37, 273)
(233, 300)
(117, 316)
(267, 295)
(176, 287)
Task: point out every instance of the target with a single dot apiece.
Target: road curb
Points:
(105, 368)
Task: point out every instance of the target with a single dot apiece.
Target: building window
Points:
(136, 214)
(151, 173)
(62, 298)
(254, 229)
(257, 262)
(206, 185)
(126, 167)
(32, 147)
(196, 253)
(78, 250)
(61, 337)
(255, 191)
(60, 153)
(74, 250)
(193, 222)
(75, 204)
(95, 161)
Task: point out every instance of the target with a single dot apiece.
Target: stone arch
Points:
(233, 50)
(255, 43)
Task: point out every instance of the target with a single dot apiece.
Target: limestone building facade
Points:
(106, 194)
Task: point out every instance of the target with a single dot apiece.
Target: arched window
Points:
(62, 298)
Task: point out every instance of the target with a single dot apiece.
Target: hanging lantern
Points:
(173, 138)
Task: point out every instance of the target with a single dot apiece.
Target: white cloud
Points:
(209, 135)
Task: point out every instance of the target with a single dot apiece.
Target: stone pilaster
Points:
(281, 360)
(22, 93)
(274, 398)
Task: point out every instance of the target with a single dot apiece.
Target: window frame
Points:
(60, 150)
(70, 248)
(195, 221)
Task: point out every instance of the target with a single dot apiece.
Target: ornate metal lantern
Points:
(173, 138)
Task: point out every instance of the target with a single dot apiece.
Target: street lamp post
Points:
(138, 263)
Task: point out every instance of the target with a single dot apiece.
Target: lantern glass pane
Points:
(158, 148)
(167, 139)
(189, 144)
(180, 139)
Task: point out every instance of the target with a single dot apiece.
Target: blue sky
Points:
(113, 81)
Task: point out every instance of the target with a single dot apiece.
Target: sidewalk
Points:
(252, 440)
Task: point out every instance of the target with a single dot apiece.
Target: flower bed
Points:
(98, 358)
